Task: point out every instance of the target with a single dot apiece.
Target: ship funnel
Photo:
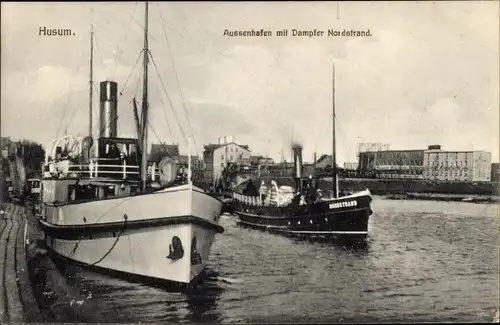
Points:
(297, 160)
(108, 120)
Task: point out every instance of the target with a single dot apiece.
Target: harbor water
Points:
(425, 262)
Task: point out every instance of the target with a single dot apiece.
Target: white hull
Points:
(143, 247)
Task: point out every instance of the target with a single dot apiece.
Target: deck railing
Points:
(99, 167)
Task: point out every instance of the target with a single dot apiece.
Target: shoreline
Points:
(474, 198)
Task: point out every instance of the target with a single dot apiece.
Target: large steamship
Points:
(294, 206)
(106, 206)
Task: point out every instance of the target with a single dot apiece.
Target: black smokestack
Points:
(297, 160)
(108, 119)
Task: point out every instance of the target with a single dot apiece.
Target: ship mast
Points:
(91, 78)
(334, 158)
(144, 133)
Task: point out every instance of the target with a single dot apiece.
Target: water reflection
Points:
(202, 300)
(360, 246)
(121, 298)
(407, 270)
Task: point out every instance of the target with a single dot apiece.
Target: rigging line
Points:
(106, 72)
(97, 221)
(70, 91)
(75, 109)
(316, 136)
(63, 114)
(150, 37)
(96, 125)
(122, 231)
(204, 44)
(168, 97)
(161, 143)
(131, 71)
(125, 200)
(165, 114)
(139, 80)
(115, 68)
(130, 253)
(347, 149)
(121, 93)
(176, 74)
(73, 116)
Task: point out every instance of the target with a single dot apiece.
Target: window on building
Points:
(222, 164)
(235, 149)
(222, 157)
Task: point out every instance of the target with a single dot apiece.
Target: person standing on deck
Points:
(114, 152)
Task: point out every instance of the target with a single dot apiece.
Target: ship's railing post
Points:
(153, 172)
(124, 169)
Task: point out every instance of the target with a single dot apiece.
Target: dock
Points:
(17, 303)
(33, 288)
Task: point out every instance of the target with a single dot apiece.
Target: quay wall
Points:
(402, 186)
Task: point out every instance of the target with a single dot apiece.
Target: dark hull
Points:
(344, 220)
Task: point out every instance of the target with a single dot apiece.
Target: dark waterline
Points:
(425, 262)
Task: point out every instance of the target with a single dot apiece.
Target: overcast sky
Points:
(429, 74)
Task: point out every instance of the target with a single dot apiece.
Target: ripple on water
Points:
(426, 261)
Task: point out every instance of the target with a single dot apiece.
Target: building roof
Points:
(4, 142)
(455, 151)
(324, 157)
(183, 159)
(402, 150)
(159, 151)
(171, 150)
(213, 147)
